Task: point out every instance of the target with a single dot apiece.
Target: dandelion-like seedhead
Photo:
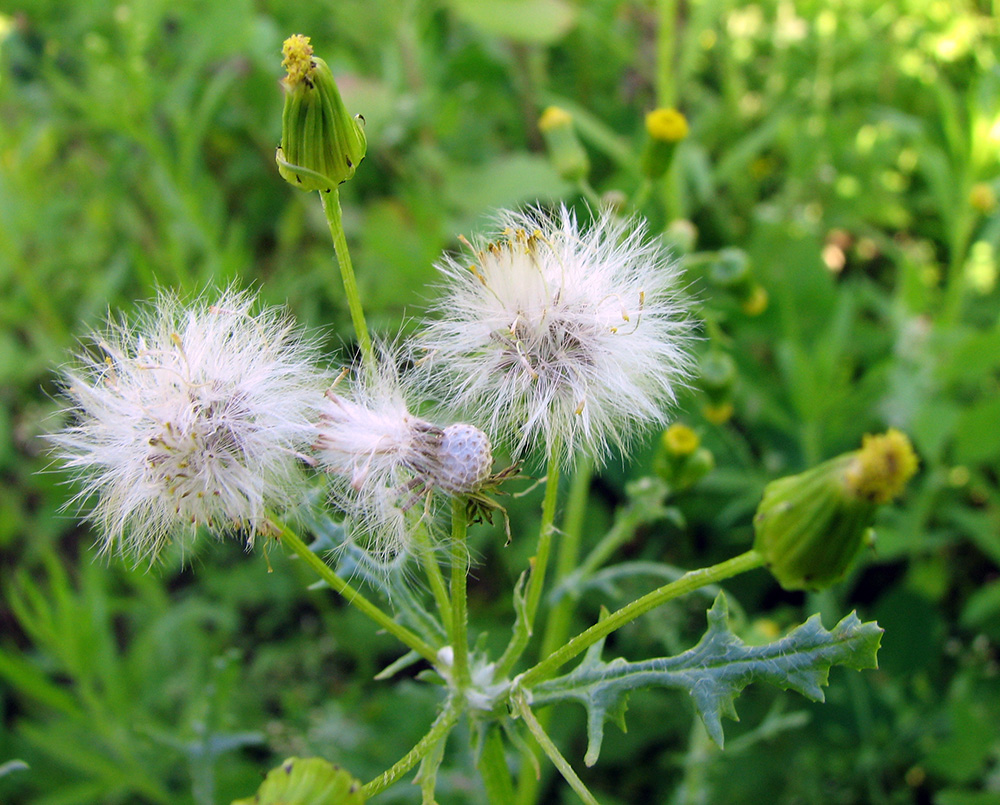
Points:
(196, 415)
(574, 336)
(383, 460)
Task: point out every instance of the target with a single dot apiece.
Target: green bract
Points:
(321, 144)
(810, 526)
(568, 156)
(664, 128)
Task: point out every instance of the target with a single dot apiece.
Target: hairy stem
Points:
(459, 611)
(352, 596)
(331, 206)
(493, 769)
(536, 580)
(692, 580)
(438, 732)
(434, 576)
(557, 627)
(550, 749)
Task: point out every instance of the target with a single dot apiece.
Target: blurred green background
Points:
(850, 148)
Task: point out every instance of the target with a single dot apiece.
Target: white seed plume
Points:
(198, 414)
(572, 336)
(383, 460)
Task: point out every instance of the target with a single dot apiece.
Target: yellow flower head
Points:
(881, 467)
(554, 117)
(298, 59)
(680, 440)
(666, 125)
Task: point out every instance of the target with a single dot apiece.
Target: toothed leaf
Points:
(714, 672)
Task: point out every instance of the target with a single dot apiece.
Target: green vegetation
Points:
(834, 205)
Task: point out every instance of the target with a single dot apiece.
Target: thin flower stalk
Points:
(459, 595)
(293, 541)
(690, 581)
(334, 219)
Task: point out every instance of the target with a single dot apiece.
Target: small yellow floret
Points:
(719, 414)
(756, 302)
(667, 125)
(882, 467)
(554, 117)
(982, 198)
(680, 440)
(298, 58)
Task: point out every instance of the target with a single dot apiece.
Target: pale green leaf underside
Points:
(715, 671)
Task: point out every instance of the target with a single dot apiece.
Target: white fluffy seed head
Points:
(575, 337)
(385, 463)
(196, 415)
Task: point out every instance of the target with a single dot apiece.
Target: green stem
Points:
(352, 596)
(545, 531)
(666, 46)
(588, 192)
(692, 580)
(550, 749)
(557, 627)
(642, 194)
(494, 770)
(331, 206)
(621, 532)
(439, 731)
(434, 575)
(536, 580)
(459, 611)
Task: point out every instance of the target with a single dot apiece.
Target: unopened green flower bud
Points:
(321, 144)
(614, 201)
(809, 527)
(665, 128)
(682, 235)
(680, 459)
(567, 154)
(716, 376)
(679, 440)
(307, 780)
(755, 301)
(983, 198)
(730, 270)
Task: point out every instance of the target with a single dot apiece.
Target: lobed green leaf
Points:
(714, 672)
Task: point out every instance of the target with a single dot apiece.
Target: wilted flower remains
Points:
(383, 460)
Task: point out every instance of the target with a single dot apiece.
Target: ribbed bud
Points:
(716, 376)
(665, 128)
(809, 527)
(731, 272)
(567, 154)
(681, 461)
(321, 144)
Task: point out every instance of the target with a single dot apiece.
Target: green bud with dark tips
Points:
(664, 129)
(567, 154)
(809, 527)
(321, 144)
